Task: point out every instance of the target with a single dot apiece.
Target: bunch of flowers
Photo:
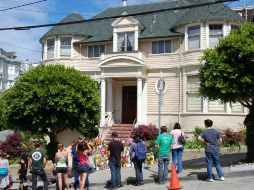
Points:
(126, 162)
(101, 157)
(150, 158)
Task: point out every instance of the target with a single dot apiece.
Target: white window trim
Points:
(59, 46)
(46, 44)
(1, 63)
(171, 46)
(187, 36)
(208, 31)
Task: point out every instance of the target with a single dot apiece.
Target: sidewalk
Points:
(194, 169)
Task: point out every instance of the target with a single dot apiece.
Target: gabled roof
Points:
(155, 25)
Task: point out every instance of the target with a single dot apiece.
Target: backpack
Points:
(140, 151)
(3, 171)
(182, 139)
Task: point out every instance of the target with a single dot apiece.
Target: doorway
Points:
(129, 104)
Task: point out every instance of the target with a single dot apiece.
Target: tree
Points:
(50, 99)
(228, 75)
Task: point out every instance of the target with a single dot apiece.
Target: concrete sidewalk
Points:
(194, 170)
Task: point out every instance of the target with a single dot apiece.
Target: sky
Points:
(26, 43)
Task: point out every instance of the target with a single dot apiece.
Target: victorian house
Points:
(134, 58)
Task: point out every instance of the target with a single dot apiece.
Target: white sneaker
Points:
(210, 180)
(222, 178)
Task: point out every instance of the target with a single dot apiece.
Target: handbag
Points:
(182, 139)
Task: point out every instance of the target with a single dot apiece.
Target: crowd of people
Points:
(77, 160)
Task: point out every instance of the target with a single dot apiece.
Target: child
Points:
(49, 168)
(22, 170)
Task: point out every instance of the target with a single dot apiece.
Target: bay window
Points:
(215, 33)
(50, 48)
(65, 46)
(194, 37)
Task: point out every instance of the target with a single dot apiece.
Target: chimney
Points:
(124, 2)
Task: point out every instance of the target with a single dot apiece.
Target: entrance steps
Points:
(124, 131)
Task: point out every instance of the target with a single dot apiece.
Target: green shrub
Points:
(28, 139)
(151, 147)
(233, 139)
(194, 144)
(197, 132)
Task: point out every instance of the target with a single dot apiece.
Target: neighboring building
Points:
(246, 12)
(129, 54)
(9, 69)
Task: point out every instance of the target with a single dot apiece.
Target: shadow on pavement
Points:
(226, 160)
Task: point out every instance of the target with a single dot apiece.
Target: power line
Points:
(21, 47)
(22, 5)
(118, 16)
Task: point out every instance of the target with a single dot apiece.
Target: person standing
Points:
(138, 152)
(61, 166)
(22, 170)
(177, 150)
(212, 140)
(4, 171)
(115, 149)
(37, 162)
(164, 143)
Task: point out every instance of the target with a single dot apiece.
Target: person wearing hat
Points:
(115, 148)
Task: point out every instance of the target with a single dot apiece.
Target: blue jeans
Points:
(115, 174)
(210, 160)
(138, 170)
(163, 168)
(177, 158)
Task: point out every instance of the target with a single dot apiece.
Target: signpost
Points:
(160, 88)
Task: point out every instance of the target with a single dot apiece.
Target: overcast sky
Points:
(26, 43)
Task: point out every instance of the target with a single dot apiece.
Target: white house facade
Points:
(129, 55)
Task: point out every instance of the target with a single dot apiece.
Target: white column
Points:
(103, 96)
(114, 41)
(228, 107)
(136, 38)
(139, 100)
(144, 102)
(109, 95)
(184, 91)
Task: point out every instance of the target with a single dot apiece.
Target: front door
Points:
(129, 109)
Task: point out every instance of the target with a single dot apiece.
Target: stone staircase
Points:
(124, 131)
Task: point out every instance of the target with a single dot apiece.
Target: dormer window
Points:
(65, 46)
(50, 48)
(95, 50)
(194, 37)
(125, 41)
(215, 34)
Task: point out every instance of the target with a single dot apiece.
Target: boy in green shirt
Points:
(164, 142)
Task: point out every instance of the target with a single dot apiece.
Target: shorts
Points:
(84, 168)
(22, 178)
(61, 169)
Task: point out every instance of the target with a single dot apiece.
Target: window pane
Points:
(194, 102)
(194, 37)
(50, 48)
(90, 51)
(154, 47)
(102, 49)
(167, 46)
(194, 42)
(216, 106)
(214, 40)
(65, 47)
(96, 51)
(215, 29)
(121, 42)
(161, 46)
(130, 41)
(237, 107)
(234, 27)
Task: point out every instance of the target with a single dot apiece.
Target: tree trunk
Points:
(52, 146)
(249, 123)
